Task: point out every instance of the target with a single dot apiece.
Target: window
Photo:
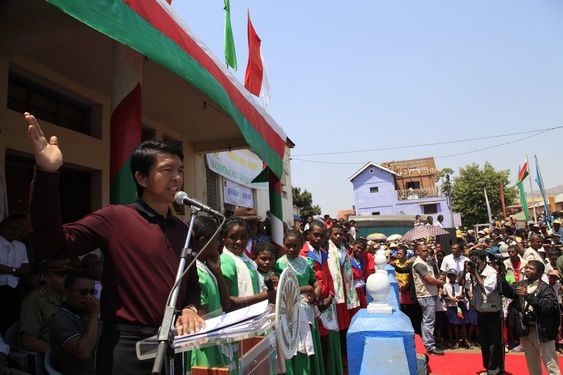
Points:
(284, 194)
(429, 209)
(376, 213)
(75, 187)
(413, 185)
(374, 189)
(48, 104)
(212, 186)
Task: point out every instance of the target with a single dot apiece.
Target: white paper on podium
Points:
(234, 317)
(236, 321)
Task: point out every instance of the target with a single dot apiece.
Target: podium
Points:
(253, 335)
(254, 345)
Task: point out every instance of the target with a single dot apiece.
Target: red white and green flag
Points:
(523, 173)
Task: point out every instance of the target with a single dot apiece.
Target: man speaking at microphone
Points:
(141, 243)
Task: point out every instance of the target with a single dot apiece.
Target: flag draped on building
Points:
(125, 123)
(254, 69)
(230, 52)
(539, 181)
(153, 29)
(276, 208)
(488, 207)
(523, 173)
(502, 201)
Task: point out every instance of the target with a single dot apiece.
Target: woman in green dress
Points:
(309, 358)
(214, 294)
(239, 271)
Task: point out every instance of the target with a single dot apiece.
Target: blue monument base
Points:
(381, 344)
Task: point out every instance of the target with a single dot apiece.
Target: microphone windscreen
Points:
(180, 196)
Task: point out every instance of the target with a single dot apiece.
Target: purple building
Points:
(376, 192)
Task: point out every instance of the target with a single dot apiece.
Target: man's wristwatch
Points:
(192, 307)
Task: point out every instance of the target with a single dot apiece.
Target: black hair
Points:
(361, 241)
(294, 233)
(554, 251)
(440, 217)
(11, 219)
(231, 223)
(336, 226)
(418, 245)
(539, 266)
(317, 224)
(144, 157)
(204, 226)
(264, 246)
(72, 276)
(480, 253)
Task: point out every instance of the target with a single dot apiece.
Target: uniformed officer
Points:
(40, 305)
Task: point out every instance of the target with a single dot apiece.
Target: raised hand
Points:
(48, 156)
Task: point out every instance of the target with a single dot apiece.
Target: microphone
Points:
(181, 197)
(269, 283)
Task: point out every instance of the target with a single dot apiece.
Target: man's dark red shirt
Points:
(141, 252)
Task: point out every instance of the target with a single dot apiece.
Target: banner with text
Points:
(238, 195)
(240, 166)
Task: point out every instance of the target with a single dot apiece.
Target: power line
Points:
(538, 131)
(535, 133)
(488, 148)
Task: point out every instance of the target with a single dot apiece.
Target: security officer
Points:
(40, 305)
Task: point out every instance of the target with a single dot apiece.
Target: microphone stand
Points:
(166, 334)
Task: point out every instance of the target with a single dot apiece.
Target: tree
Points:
(468, 195)
(304, 200)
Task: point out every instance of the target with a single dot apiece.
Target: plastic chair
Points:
(27, 361)
(48, 366)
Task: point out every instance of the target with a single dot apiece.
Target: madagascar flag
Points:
(459, 312)
(523, 171)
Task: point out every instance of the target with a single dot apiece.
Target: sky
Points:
(360, 75)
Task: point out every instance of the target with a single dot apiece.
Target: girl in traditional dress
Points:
(345, 295)
(214, 294)
(239, 271)
(327, 320)
(265, 260)
(358, 267)
(309, 359)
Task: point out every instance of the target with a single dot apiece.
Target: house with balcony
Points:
(405, 187)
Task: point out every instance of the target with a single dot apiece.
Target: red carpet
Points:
(470, 363)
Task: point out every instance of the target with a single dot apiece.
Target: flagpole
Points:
(488, 207)
(539, 181)
(532, 190)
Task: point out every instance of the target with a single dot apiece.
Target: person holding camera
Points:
(487, 302)
(539, 309)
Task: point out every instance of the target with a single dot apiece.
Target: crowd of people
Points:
(106, 279)
(499, 289)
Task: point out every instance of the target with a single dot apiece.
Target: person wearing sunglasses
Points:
(75, 327)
